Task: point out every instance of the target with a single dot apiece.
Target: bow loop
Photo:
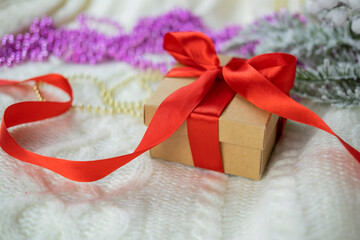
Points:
(192, 49)
(278, 68)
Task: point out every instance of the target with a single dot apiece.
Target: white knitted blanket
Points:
(311, 188)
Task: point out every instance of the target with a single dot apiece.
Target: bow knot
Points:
(196, 51)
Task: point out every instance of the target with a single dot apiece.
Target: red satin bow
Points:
(264, 80)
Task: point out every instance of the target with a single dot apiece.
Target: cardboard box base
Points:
(238, 160)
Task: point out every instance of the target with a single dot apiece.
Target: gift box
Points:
(247, 133)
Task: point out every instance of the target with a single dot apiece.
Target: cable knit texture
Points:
(311, 188)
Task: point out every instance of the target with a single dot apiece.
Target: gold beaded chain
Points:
(107, 95)
(37, 92)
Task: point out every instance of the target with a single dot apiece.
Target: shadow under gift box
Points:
(246, 133)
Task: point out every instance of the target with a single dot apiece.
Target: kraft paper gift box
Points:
(247, 134)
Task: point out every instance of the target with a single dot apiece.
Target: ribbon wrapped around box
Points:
(264, 81)
(246, 133)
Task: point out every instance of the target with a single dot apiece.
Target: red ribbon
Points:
(264, 80)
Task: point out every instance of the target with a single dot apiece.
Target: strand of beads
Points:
(91, 46)
(108, 95)
(129, 107)
(37, 92)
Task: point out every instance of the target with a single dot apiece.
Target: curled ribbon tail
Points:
(169, 116)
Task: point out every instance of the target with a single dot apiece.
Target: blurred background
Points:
(215, 13)
(111, 52)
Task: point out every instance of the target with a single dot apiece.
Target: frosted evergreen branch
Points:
(337, 84)
(331, 55)
(339, 71)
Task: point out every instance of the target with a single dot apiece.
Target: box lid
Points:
(241, 123)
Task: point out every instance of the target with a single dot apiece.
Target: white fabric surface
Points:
(311, 188)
